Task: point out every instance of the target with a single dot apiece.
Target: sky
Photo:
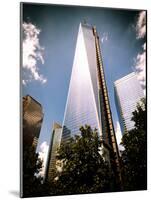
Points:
(48, 47)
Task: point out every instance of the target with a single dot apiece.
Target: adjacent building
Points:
(88, 101)
(128, 93)
(52, 152)
(32, 120)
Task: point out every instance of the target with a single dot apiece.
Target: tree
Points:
(84, 169)
(31, 167)
(134, 156)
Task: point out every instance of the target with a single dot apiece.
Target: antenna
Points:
(84, 21)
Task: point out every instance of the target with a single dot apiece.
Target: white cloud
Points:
(32, 53)
(140, 60)
(43, 156)
(118, 134)
(141, 25)
(24, 82)
(140, 66)
(104, 37)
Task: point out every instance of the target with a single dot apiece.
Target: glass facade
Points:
(32, 120)
(53, 147)
(88, 101)
(82, 102)
(128, 93)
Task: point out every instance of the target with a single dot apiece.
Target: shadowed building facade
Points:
(52, 152)
(32, 120)
(128, 93)
(88, 101)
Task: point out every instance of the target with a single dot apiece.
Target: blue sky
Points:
(46, 74)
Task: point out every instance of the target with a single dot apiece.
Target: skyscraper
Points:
(54, 145)
(88, 101)
(32, 120)
(128, 93)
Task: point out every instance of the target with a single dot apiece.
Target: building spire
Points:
(84, 22)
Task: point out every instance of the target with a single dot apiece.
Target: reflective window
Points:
(128, 92)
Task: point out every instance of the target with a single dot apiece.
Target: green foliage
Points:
(31, 166)
(134, 156)
(84, 169)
